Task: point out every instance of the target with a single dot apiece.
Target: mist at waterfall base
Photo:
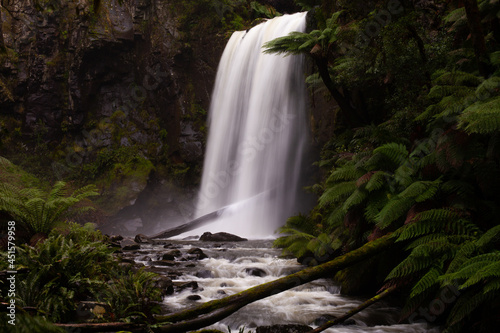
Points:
(258, 135)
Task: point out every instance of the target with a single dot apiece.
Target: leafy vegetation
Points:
(416, 153)
(38, 212)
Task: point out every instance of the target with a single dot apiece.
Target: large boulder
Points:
(221, 237)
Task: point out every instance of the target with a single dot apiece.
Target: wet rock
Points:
(116, 238)
(128, 260)
(147, 258)
(194, 297)
(204, 274)
(128, 244)
(323, 319)
(165, 285)
(223, 284)
(196, 253)
(221, 237)
(140, 238)
(168, 263)
(193, 285)
(221, 292)
(171, 255)
(289, 328)
(254, 271)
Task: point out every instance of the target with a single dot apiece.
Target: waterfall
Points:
(257, 133)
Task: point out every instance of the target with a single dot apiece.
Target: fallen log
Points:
(196, 223)
(105, 327)
(352, 312)
(211, 312)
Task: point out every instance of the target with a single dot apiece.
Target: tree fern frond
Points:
(490, 236)
(377, 181)
(429, 280)
(337, 193)
(492, 286)
(356, 198)
(488, 271)
(437, 220)
(438, 92)
(392, 211)
(347, 172)
(457, 78)
(395, 153)
(467, 303)
(289, 44)
(481, 117)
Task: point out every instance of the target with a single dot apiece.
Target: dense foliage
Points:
(416, 154)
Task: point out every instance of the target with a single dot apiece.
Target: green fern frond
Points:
(492, 286)
(395, 153)
(377, 181)
(488, 88)
(429, 280)
(490, 236)
(347, 172)
(439, 92)
(395, 209)
(291, 44)
(338, 192)
(466, 304)
(456, 15)
(437, 220)
(457, 78)
(355, 199)
(481, 117)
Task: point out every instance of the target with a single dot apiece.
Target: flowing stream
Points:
(233, 267)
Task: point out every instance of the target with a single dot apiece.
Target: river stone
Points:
(128, 244)
(204, 274)
(140, 238)
(194, 297)
(172, 254)
(221, 237)
(254, 271)
(168, 263)
(196, 253)
(165, 285)
(116, 238)
(289, 328)
(180, 287)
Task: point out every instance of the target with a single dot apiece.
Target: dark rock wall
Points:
(84, 79)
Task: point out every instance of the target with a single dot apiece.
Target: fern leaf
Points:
(481, 117)
(429, 280)
(395, 153)
(337, 193)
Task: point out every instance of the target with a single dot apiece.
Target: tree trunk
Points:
(2, 43)
(477, 36)
(104, 327)
(348, 112)
(352, 312)
(196, 223)
(211, 312)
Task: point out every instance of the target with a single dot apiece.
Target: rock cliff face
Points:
(109, 91)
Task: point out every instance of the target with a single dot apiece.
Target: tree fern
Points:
(40, 212)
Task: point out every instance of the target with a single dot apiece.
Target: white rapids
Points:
(229, 274)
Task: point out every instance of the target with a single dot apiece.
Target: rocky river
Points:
(196, 271)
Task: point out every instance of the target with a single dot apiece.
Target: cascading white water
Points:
(257, 133)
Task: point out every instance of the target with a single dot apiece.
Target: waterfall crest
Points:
(257, 133)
